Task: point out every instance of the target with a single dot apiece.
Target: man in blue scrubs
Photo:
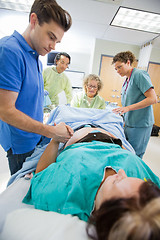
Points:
(21, 82)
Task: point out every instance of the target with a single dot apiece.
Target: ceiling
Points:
(91, 19)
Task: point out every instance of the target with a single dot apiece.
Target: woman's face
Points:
(117, 186)
(91, 88)
(123, 69)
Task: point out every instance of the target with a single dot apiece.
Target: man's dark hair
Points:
(58, 56)
(49, 10)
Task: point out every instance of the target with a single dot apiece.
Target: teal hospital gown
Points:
(69, 185)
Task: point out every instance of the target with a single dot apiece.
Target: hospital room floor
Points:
(151, 157)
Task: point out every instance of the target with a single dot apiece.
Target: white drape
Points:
(144, 56)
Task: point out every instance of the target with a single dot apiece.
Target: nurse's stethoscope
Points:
(126, 81)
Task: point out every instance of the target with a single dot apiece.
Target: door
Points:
(154, 72)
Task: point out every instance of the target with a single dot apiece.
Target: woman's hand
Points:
(121, 110)
(62, 133)
(150, 99)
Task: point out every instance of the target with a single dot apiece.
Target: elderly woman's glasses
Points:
(90, 86)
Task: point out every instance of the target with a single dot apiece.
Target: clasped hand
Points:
(62, 132)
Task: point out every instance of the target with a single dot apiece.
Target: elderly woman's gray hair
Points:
(92, 77)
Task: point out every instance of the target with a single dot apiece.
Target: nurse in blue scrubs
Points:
(137, 97)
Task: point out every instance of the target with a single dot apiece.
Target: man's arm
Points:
(16, 118)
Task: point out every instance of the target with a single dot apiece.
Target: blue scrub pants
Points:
(138, 138)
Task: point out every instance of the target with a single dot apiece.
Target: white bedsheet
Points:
(11, 198)
(27, 224)
(19, 221)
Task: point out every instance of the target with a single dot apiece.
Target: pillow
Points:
(26, 224)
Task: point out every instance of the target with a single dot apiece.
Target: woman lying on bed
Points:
(95, 176)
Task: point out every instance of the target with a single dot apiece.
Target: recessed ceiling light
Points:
(16, 5)
(137, 20)
(110, 1)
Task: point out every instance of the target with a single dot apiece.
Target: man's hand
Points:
(62, 132)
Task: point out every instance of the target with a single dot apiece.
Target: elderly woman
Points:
(89, 98)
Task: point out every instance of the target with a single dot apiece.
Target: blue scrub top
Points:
(138, 84)
(21, 72)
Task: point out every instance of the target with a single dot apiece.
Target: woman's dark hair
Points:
(124, 57)
(131, 218)
(49, 10)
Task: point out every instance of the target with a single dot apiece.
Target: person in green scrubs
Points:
(137, 97)
(56, 81)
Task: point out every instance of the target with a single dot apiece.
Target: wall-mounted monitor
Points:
(76, 78)
(51, 57)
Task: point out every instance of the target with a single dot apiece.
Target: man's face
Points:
(43, 38)
(62, 64)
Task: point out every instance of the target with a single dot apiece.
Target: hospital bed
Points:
(19, 221)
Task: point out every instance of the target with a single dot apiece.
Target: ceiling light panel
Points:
(109, 1)
(16, 5)
(137, 20)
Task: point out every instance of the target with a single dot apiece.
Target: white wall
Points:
(155, 55)
(79, 61)
(76, 47)
(112, 48)
(12, 20)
